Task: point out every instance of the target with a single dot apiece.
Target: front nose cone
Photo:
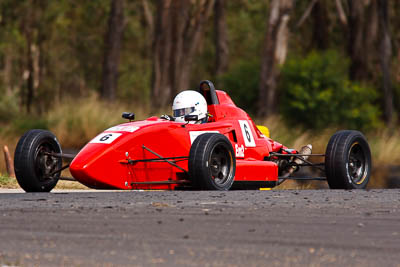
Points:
(97, 166)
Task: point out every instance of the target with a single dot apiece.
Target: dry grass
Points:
(75, 122)
(384, 144)
(8, 182)
(70, 185)
(385, 149)
(295, 137)
(11, 183)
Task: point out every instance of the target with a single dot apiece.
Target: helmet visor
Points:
(183, 111)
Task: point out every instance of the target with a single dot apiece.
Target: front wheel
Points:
(348, 161)
(212, 162)
(35, 168)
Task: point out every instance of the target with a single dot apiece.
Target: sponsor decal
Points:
(105, 138)
(247, 134)
(195, 134)
(122, 128)
(239, 151)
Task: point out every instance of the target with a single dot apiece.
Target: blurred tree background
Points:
(316, 63)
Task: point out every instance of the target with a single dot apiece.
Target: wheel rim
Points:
(220, 164)
(45, 164)
(357, 165)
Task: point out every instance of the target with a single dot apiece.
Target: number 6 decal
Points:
(247, 134)
(105, 138)
(246, 129)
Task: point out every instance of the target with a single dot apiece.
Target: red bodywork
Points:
(103, 162)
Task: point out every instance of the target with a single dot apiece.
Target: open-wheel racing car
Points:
(208, 144)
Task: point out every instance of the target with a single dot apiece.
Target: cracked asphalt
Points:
(192, 228)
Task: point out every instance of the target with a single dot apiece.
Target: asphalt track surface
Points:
(176, 228)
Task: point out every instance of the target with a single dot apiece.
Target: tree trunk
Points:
(29, 72)
(112, 43)
(356, 44)
(371, 39)
(320, 35)
(41, 61)
(341, 13)
(221, 38)
(178, 31)
(385, 57)
(147, 16)
(7, 72)
(273, 55)
(371, 31)
(147, 21)
(30, 82)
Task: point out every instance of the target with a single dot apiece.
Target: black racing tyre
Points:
(212, 163)
(33, 166)
(348, 161)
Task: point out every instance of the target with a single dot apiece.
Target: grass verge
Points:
(11, 183)
(8, 182)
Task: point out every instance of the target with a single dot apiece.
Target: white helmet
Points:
(189, 102)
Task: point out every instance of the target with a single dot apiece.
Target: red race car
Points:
(208, 144)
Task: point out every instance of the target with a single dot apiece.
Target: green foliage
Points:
(22, 124)
(316, 93)
(246, 22)
(69, 35)
(8, 107)
(241, 82)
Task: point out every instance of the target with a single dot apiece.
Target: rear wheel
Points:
(212, 162)
(34, 166)
(348, 161)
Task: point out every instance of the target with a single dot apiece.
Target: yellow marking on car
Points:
(264, 130)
